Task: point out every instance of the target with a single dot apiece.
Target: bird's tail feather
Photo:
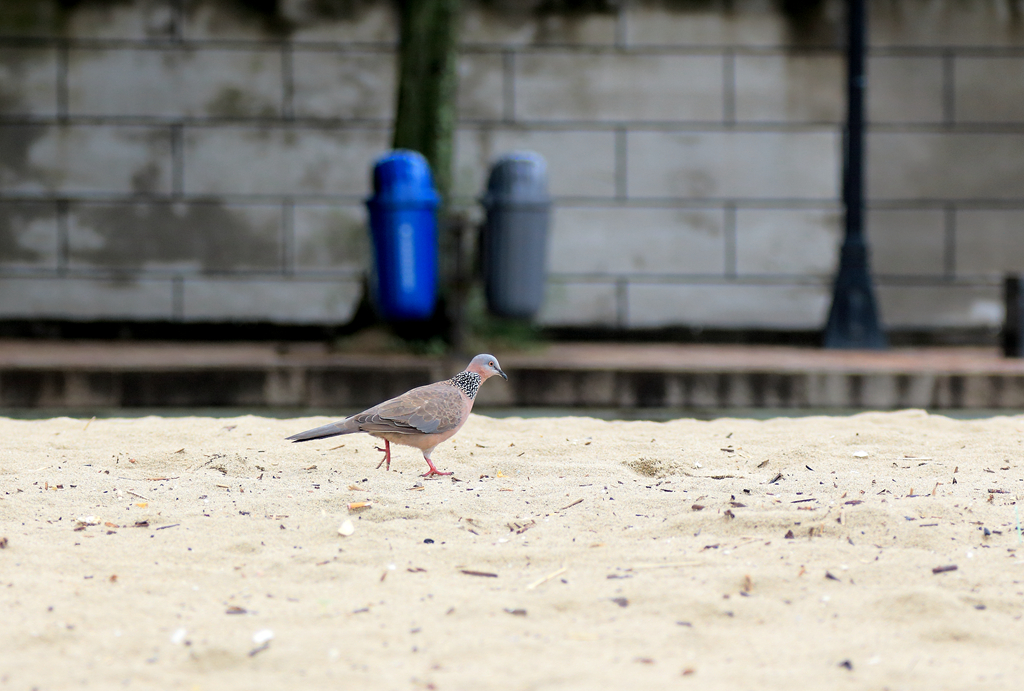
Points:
(330, 430)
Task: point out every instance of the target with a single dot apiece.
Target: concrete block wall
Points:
(175, 160)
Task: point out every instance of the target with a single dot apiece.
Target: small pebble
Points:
(346, 528)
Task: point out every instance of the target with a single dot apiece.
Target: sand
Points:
(569, 553)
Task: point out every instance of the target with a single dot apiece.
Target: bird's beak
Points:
(503, 375)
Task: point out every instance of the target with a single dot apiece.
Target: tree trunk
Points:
(425, 119)
(427, 83)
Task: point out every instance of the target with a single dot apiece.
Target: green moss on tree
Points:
(427, 81)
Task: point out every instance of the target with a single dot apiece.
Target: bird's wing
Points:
(430, 409)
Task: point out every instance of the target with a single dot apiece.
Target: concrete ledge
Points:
(95, 375)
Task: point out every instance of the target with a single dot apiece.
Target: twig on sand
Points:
(669, 565)
(554, 574)
(578, 501)
(259, 649)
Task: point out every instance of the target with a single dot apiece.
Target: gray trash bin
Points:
(515, 234)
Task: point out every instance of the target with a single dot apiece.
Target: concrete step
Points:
(104, 374)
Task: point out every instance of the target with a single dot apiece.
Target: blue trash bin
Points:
(403, 228)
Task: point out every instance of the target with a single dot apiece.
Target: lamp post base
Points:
(853, 320)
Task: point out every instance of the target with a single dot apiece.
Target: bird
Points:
(422, 417)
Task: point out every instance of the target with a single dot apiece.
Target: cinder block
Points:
(1008, 392)
(580, 163)
(905, 89)
(727, 305)
(28, 81)
(622, 240)
(989, 89)
(276, 300)
(285, 387)
(28, 235)
(188, 237)
(917, 390)
(989, 242)
(331, 238)
(55, 297)
(907, 242)
(81, 159)
(736, 390)
(562, 85)
(704, 389)
(596, 388)
(715, 165)
(979, 392)
(940, 305)
(175, 82)
(481, 25)
(281, 160)
(954, 165)
(828, 390)
(343, 84)
(223, 21)
(752, 25)
(353, 22)
(923, 23)
(481, 86)
(790, 88)
(787, 241)
(140, 19)
(765, 389)
(579, 304)
(879, 391)
(540, 387)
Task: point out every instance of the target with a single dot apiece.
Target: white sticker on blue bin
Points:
(406, 258)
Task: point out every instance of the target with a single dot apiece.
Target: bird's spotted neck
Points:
(466, 382)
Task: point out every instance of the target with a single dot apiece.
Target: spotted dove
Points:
(423, 417)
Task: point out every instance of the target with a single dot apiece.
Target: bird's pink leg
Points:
(433, 470)
(387, 455)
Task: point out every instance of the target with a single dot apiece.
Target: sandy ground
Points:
(569, 553)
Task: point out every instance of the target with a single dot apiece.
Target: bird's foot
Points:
(387, 455)
(433, 470)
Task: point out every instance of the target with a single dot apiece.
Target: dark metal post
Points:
(853, 320)
(1013, 345)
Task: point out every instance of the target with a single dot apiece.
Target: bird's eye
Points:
(490, 364)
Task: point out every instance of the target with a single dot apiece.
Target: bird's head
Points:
(486, 366)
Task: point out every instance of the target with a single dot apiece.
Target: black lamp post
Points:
(853, 320)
